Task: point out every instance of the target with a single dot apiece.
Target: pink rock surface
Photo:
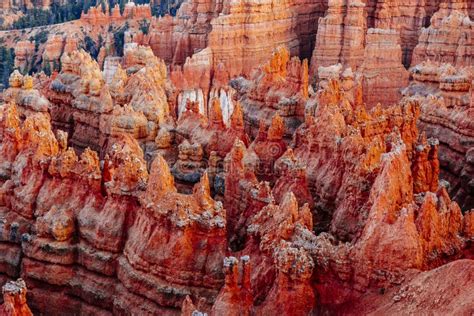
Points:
(382, 70)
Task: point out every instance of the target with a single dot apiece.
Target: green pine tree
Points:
(47, 68)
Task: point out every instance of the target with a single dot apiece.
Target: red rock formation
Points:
(281, 284)
(71, 44)
(198, 82)
(79, 94)
(191, 220)
(135, 104)
(146, 91)
(111, 66)
(308, 14)
(78, 214)
(444, 93)
(190, 164)
(239, 182)
(175, 38)
(14, 299)
(22, 93)
(330, 206)
(202, 143)
(189, 309)
(311, 139)
(133, 11)
(219, 26)
(137, 57)
(422, 217)
(469, 225)
(53, 51)
(342, 31)
(193, 82)
(422, 292)
(349, 82)
(280, 86)
(10, 139)
(447, 39)
(124, 120)
(382, 71)
(251, 52)
(426, 166)
(268, 147)
(26, 151)
(235, 297)
(408, 18)
(245, 24)
(341, 36)
(425, 232)
(97, 17)
(291, 178)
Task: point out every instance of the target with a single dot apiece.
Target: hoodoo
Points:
(245, 157)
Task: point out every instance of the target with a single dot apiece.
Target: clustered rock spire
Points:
(210, 170)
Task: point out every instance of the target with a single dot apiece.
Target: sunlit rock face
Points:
(407, 17)
(78, 222)
(279, 86)
(234, 161)
(97, 17)
(14, 299)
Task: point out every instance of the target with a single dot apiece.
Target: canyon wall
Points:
(442, 74)
(234, 31)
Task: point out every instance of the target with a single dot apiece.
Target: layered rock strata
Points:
(93, 112)
(79, 97)
(83, 229)
(383, 74)
(327, 206)
(416, 190)
(280, 86)
(95, 15)
(408, 18)
(448, 39)
(369, 148)
(447, 110)
(204, 143)
(219, 26)
(341, 36)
